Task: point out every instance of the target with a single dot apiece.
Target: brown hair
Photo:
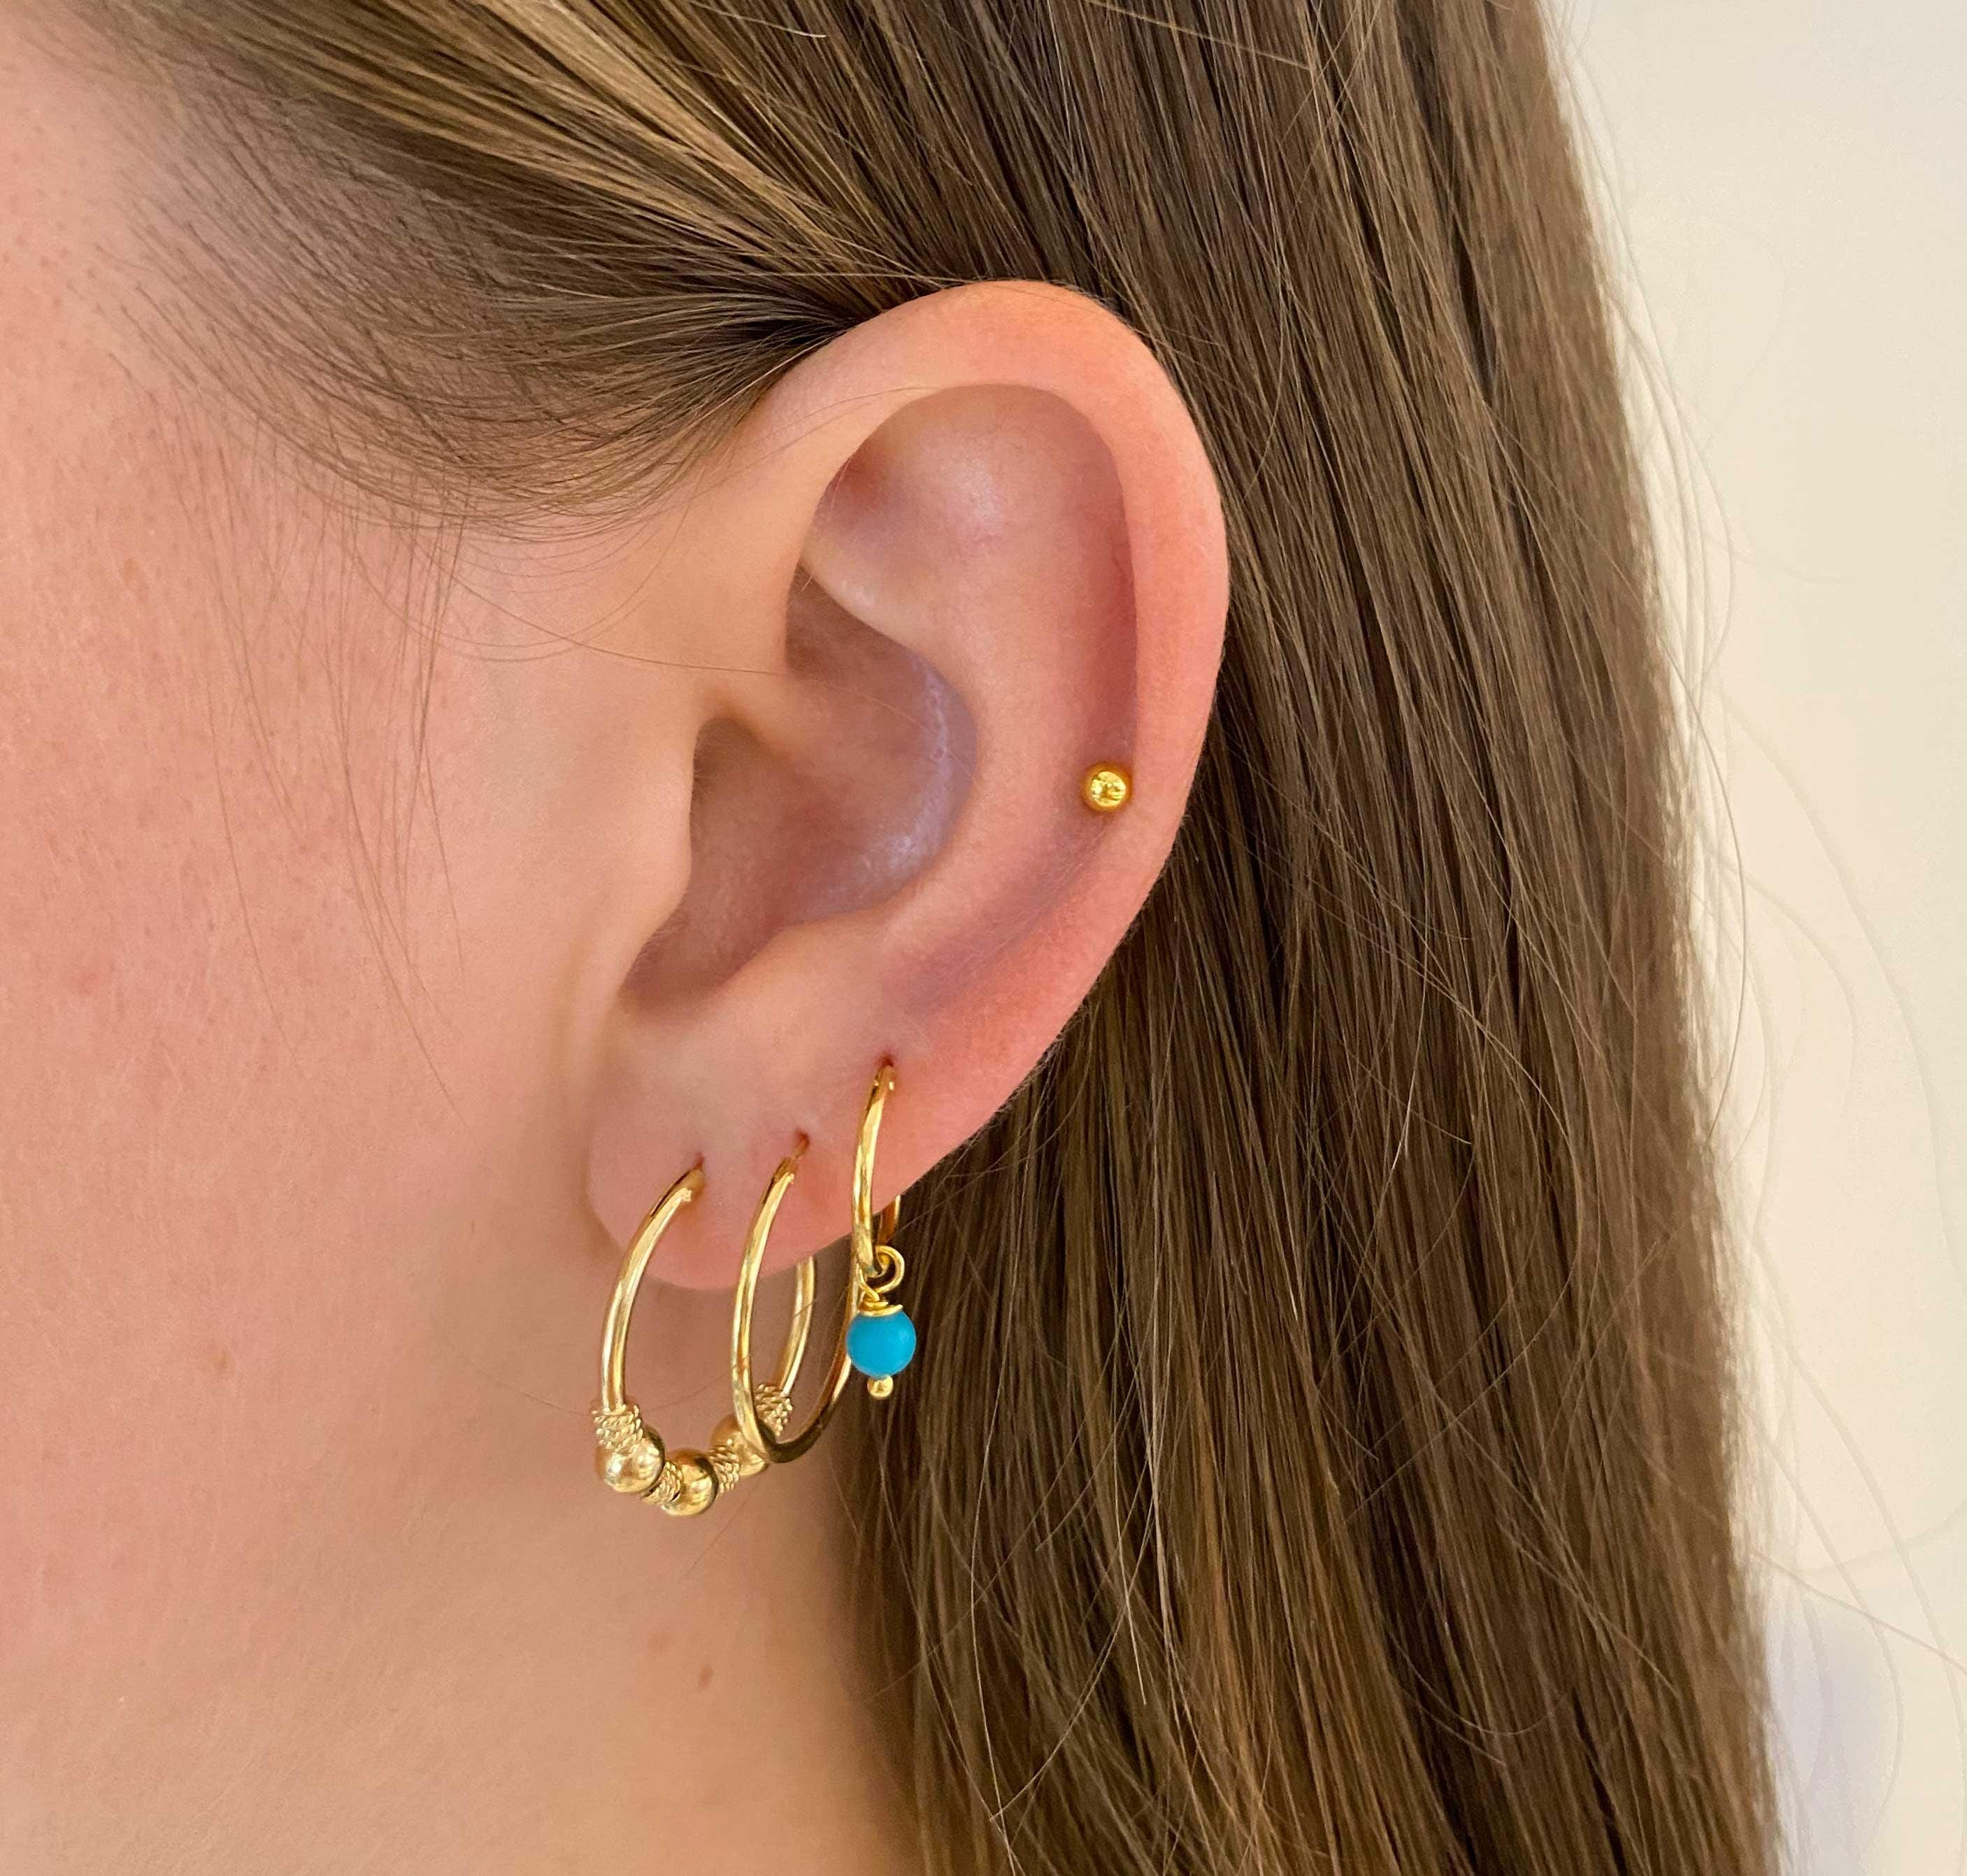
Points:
(1339, 1475)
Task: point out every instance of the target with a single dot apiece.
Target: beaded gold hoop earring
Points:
(876, 1336)
(629, 1455)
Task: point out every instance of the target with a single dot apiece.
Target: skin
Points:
(362, 983)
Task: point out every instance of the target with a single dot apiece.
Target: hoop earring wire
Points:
(874, 1267)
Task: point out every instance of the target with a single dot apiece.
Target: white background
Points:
(1789, 182)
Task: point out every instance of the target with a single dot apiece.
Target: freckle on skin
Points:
(221, 1363)
(703, 1675)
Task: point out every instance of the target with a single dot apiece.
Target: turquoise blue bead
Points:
(881, 1345)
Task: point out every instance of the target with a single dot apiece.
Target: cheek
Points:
(286, 1198)
(290, 1193)
(184, 941)
(161, 879)
(178, 889)
(198, 1052)
(240, 1114)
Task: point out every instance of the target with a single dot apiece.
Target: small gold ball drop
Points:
(1107, 786)
(633, 1468)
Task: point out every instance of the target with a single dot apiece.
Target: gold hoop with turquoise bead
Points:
(874, 1267)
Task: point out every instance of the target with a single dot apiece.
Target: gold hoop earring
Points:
(875, 1268)
(629, 1455)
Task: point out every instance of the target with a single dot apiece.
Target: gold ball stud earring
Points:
(1107, 786)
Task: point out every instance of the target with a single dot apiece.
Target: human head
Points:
(602, 539)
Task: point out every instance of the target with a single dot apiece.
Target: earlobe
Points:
(985, 560)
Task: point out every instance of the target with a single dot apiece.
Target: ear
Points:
(949, 563)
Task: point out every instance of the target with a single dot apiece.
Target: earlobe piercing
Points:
(877, 1341)
(1106, 786)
